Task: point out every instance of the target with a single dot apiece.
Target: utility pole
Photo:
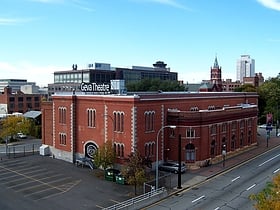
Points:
(179, 160)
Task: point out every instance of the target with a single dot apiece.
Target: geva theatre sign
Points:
(95, 87)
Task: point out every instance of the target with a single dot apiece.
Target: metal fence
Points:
(141, 200)
(13, 151)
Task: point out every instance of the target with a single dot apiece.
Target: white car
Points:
(172, 167)
(21, 136)
(262, 126)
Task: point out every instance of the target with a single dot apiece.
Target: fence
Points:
(140, 201)
(13, 151)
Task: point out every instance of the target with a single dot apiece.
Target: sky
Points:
(39, 37)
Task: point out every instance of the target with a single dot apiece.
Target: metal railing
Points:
(136, 201)
(22, 150)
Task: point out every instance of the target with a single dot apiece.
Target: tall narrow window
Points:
(118, 121)
(62, 115)
(149, 120)
(62, 139)
(190, 133)
(91, 118)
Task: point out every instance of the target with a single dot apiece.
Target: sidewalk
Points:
(201, 174)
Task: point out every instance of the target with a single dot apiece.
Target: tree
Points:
(105, 155)
(155, 85)
(246, 88)
(134, 170)
(268, 198)
(269, 93)
(12, 125)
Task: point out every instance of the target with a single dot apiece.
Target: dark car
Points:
(111, 174)
(172, 167)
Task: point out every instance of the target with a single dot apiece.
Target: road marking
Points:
(249, 188)
(217, 208)
(269, 160)
(276, 170)
(195, 200)
(235, 179)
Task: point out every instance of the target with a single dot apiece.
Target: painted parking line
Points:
(34, 182)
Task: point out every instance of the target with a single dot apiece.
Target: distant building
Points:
(230, 86)
(11, 102)
(245, 67)
(69, 80)
(15, 84)
(216, 77)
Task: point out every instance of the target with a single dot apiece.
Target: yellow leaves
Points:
(268, 198)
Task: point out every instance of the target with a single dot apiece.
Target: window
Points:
(242, 123)
(224, 127)
(213, 129)
(190, 152)
(62, 139)
(194, 109)
(233, 125)
(149, 149)
(119, 121)
(211, 107)
(190, 133)
(119, 150)
(149, 120)
(62, 115)
(91, 117)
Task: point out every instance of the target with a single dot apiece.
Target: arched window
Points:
(190, 152)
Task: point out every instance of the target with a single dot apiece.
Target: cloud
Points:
(271, 4)
(171, 3)
(81, 4)
(14, 21)
(41, 75)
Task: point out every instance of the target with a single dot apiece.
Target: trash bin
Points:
(120, 179)
(111, 173)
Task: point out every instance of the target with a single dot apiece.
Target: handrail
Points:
(137, 199)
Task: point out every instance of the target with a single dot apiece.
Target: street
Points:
(229, 190)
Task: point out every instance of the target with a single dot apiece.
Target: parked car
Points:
(172, 167)
(21, 136)
(111, 174)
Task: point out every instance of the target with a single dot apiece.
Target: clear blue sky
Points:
(39, 37)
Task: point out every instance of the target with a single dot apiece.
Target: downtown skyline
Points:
(40, 37)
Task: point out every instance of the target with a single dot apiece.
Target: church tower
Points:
(216, 77)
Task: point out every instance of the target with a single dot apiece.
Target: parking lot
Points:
(40, 182)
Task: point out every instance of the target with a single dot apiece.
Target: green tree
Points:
(12, 125)
(269, 96)
(246, 88)
(134, 170)
(268, 198)
(155, 85)
(105, 155)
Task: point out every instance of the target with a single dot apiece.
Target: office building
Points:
(245, 67)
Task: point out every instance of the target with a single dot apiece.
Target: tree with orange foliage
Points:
(268, 198)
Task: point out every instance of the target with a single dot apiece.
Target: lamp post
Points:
(166, 126)
(6, 138)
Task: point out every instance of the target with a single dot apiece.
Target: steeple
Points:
(216, 65)
(216, 76)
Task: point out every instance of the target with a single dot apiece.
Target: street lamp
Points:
(166, 126)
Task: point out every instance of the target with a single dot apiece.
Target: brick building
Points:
(18, 101)
(76, 124)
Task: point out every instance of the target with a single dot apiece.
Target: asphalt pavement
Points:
(263, 145)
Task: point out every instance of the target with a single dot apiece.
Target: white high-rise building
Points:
(245, 67)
